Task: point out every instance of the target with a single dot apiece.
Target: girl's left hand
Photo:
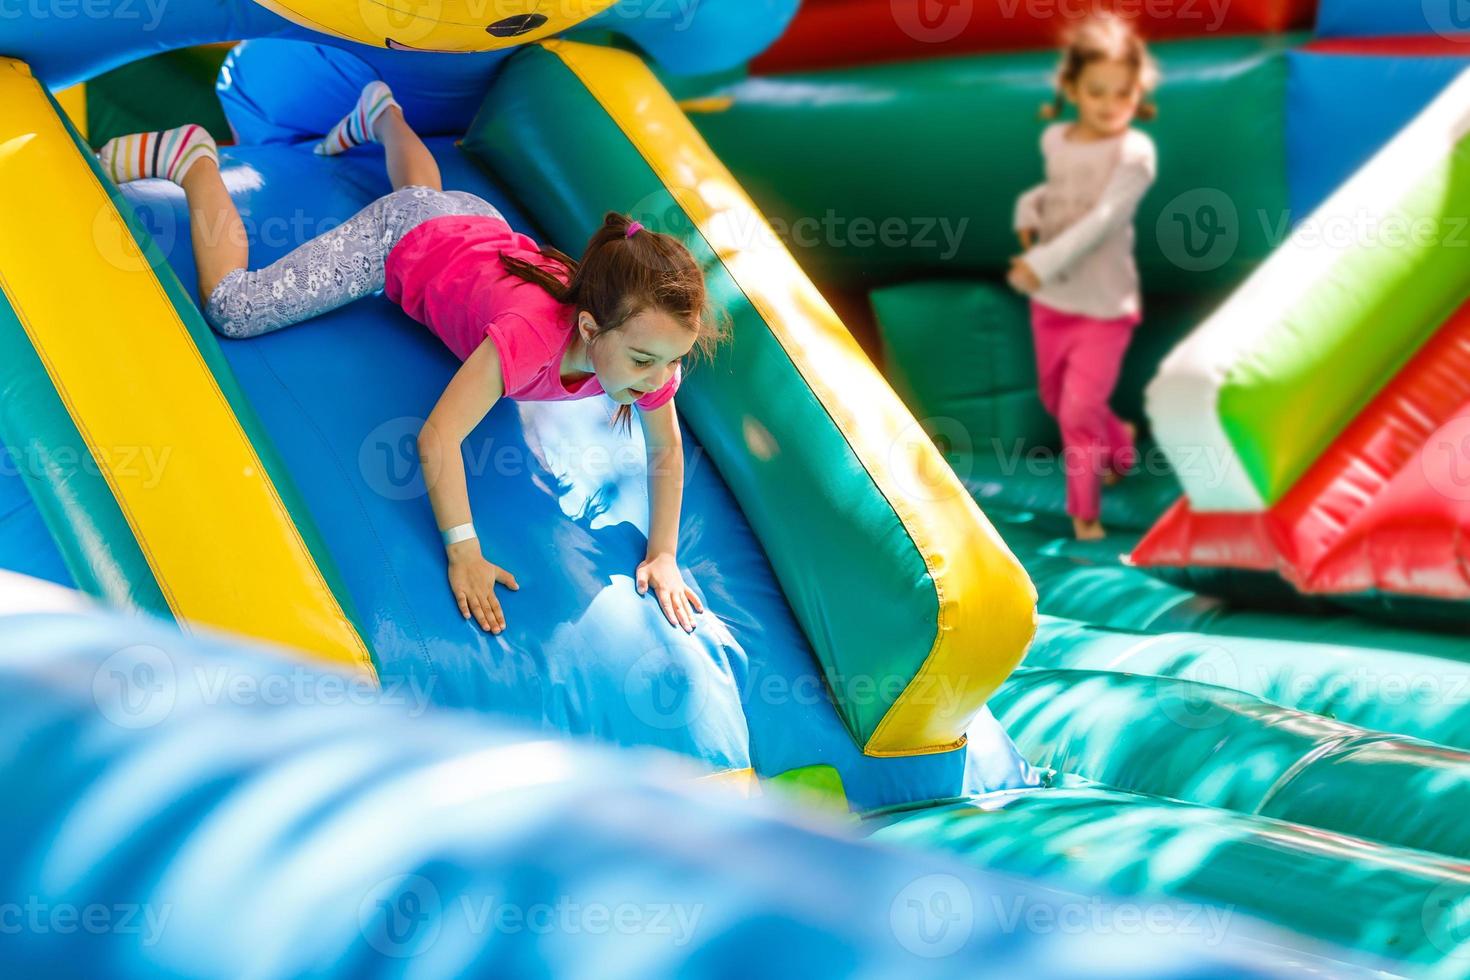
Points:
(1022, 278)
(674, 597)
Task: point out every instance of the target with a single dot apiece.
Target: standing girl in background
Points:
(1078, 266)
(527, 321)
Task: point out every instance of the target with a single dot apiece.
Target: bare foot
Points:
(1088, 530)
(1112, 477)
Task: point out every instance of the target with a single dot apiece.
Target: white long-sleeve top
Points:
(1083, 217)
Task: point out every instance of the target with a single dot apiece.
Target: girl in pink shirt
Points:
(1078, 267)
(527, 321)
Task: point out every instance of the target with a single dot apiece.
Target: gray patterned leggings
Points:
(334, 268)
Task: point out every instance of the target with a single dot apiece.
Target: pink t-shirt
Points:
(447, 275)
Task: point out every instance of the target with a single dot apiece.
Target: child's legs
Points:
(1110, 345)
(332, 269)
(1051, 333)
(410, 164)
(1092, 436)
(218, 235)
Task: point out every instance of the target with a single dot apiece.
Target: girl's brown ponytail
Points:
(620, 275)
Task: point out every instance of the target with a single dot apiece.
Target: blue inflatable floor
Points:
(559, 498)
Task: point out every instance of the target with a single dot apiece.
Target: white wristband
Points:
(458, 533)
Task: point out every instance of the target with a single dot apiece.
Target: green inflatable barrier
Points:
(1389, 690)
(961, 352)
(158, 92)
(892, 172)
(1402, 905)
(1254, 588)
(1210, 745)
(979, 399)
(1088, 583)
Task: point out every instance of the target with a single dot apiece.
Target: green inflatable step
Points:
(1206, 744)
(892, 172)
(1404, 906)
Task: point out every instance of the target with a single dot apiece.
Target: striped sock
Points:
(356, 127)
(166, 153)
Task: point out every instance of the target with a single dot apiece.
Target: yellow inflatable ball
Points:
(439, 25)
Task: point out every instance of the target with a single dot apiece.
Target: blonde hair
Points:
(1105, 37)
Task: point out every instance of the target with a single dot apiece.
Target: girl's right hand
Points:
(472, 579)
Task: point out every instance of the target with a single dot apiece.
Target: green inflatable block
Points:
(1390, 690)
(813, 787)
(1402, 905)
(891, 172)
(158, 92)
(960, 354)
(1167, 737)
(1211, 745)
(1089, 583)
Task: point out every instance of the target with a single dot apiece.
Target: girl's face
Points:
(1107, 95)
(638, 357)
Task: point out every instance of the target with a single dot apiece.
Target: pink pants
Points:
(1077, 363)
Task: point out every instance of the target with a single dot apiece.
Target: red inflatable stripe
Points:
(834, 33)
(1432, 46)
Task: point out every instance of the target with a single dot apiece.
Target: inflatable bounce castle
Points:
(917, 727)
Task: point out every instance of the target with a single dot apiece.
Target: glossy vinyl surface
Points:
(1208, 744)
(1402, 906)
(338, 833)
